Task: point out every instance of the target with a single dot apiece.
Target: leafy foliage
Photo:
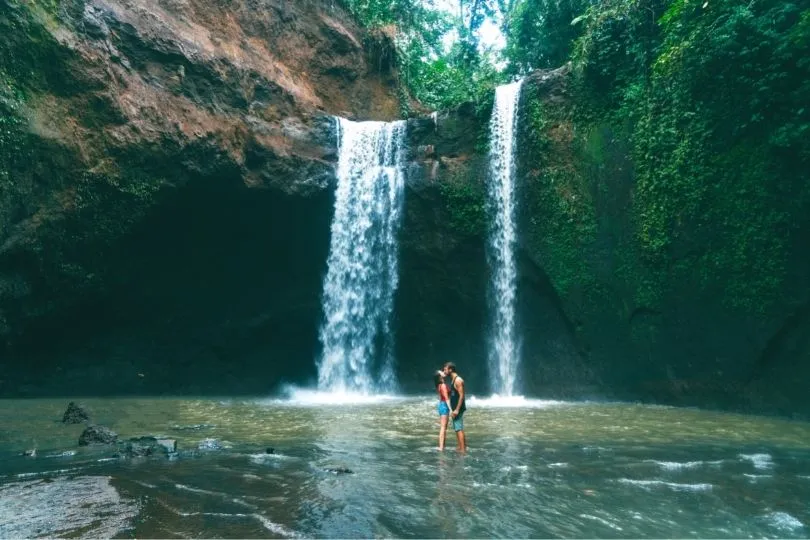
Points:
(436, 76)
(714, 98)
(541, 33)
(465, 203)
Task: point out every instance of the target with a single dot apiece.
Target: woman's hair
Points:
(438, 378)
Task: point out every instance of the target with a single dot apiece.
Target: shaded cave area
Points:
(216, 292)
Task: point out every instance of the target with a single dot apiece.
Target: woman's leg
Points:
(442, 431)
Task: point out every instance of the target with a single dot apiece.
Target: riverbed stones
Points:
(75, 414)
(64, 507)
(147, 446)
(93, 435)
(138, 447)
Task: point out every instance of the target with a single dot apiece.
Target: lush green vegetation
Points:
(713, 98)
(465, 203)
(441, 61)
(710, 98)
(541, 33)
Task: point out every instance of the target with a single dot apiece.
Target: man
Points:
(458, 403)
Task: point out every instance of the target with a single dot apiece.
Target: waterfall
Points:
(362, 274)
(504, 350)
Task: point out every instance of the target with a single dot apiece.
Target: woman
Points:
(443, 407)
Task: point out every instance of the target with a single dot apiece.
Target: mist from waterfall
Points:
(362, 275)
(504, 347)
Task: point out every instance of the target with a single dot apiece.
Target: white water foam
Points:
(602, 521)
(783, 521)
(271, 526)
(308, 397)
(66, 453)
(675, 465)
(51, 472)
(262, 458)
(756, 477)
(507, 402)
(759, 461)
(276, 528)
(672, 485)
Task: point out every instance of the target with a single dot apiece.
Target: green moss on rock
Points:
(465, 203)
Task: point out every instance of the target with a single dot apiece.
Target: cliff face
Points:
(442, 306)
(166, 175)
(597, 316)
(693, 325)
(165, 198)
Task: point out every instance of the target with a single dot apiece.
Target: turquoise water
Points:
(534, 469)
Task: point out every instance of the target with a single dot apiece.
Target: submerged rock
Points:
(75, 414)
(97, 435)
(338, 470)
(147, 446)
(193, 427)
(168, 445)
(210, 444)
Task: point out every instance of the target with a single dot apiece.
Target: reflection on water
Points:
(537, 469)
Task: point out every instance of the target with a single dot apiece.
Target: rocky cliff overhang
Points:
(140, 123)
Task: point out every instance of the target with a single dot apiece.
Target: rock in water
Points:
(75, 414)
(147, 446)
(97, 435)
(168, 445)
(139, 447)
(339, 470)
(210, 444)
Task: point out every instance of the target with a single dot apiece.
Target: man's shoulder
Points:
(459, 380)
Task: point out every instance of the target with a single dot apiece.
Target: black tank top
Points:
(454, 397)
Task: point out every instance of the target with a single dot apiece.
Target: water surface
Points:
(534, 469)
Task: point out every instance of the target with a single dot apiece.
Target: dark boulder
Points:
(75, 414)
(97, 435)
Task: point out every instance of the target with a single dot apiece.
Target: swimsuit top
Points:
(442, 391)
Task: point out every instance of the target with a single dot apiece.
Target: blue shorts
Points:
(458, 422)
(443, 408)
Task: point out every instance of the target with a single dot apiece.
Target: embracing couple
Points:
(452, 404)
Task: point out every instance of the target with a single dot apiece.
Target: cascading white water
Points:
(504, 349)
(362, 275)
